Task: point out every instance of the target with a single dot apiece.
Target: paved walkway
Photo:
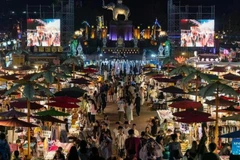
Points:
(141, 121)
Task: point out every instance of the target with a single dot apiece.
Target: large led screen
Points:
(197, 33)
(43, 32)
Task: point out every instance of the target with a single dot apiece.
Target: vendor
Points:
(64, 131)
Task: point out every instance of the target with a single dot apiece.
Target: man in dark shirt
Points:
(105, 132)
(211, 155)
(132, 143)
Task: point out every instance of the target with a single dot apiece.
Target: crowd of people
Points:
(100, 139)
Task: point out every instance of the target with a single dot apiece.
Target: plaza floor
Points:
(141, 121)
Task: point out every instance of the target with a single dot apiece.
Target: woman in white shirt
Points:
(129, 112)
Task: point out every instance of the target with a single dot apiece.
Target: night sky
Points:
(142, 11)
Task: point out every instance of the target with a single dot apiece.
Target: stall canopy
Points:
(13, 113)
(173, 89)
(235, 134)
(186, 105)
(14, 122)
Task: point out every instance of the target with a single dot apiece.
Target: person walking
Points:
(138, 104)
(132, 144)
(129, 111)
(175, 149)
(211, 155)
(121, 109)
(64, 131)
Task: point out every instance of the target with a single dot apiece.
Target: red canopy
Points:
(198, 119)
(186, 104)
(65, 99)
(23, 104)
(63, 105)
(89, 70)
(227, 98)
(231, 77)
(191, 113)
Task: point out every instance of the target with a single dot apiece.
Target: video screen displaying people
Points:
(43, 32)
(197, 33)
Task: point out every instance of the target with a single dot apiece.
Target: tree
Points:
(49, 76)
(74, 61)
(168, 61)
(214, 89)
(183, 70)
(197, 75)
(28, 91)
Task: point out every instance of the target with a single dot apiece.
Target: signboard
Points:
(43, 32)
(46, 134)
(236, 146)
(48, 49)
(13, 147)
(197, 32)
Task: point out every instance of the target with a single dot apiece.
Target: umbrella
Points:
(235, 117)
(178, 99)
(222, 102)
(92, 66)
(177, 77)
(227, 98)
(8, 78)
(152, 74)
(80, 81)
(63, 104)
(13, 113)
(51, 112)
(2, 92)
(166, 80)
(186, 105)
(173, 89)
(230, 109)
(195, 120)
(218, 69)
(65, 99)
(235, 134)
(168, 66)
(48, 118)
(71, 92)
(157, 75)
(89, 70)
(14, 122)
(23, 104)
(34, 99)
(191, 113)
(231, 77)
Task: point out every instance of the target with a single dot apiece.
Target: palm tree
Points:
(214, 89)
(49, 77)
(183, 70)
(169, 60)
(51, 73)
(198, 75)
(28, 92)
(74, 61)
